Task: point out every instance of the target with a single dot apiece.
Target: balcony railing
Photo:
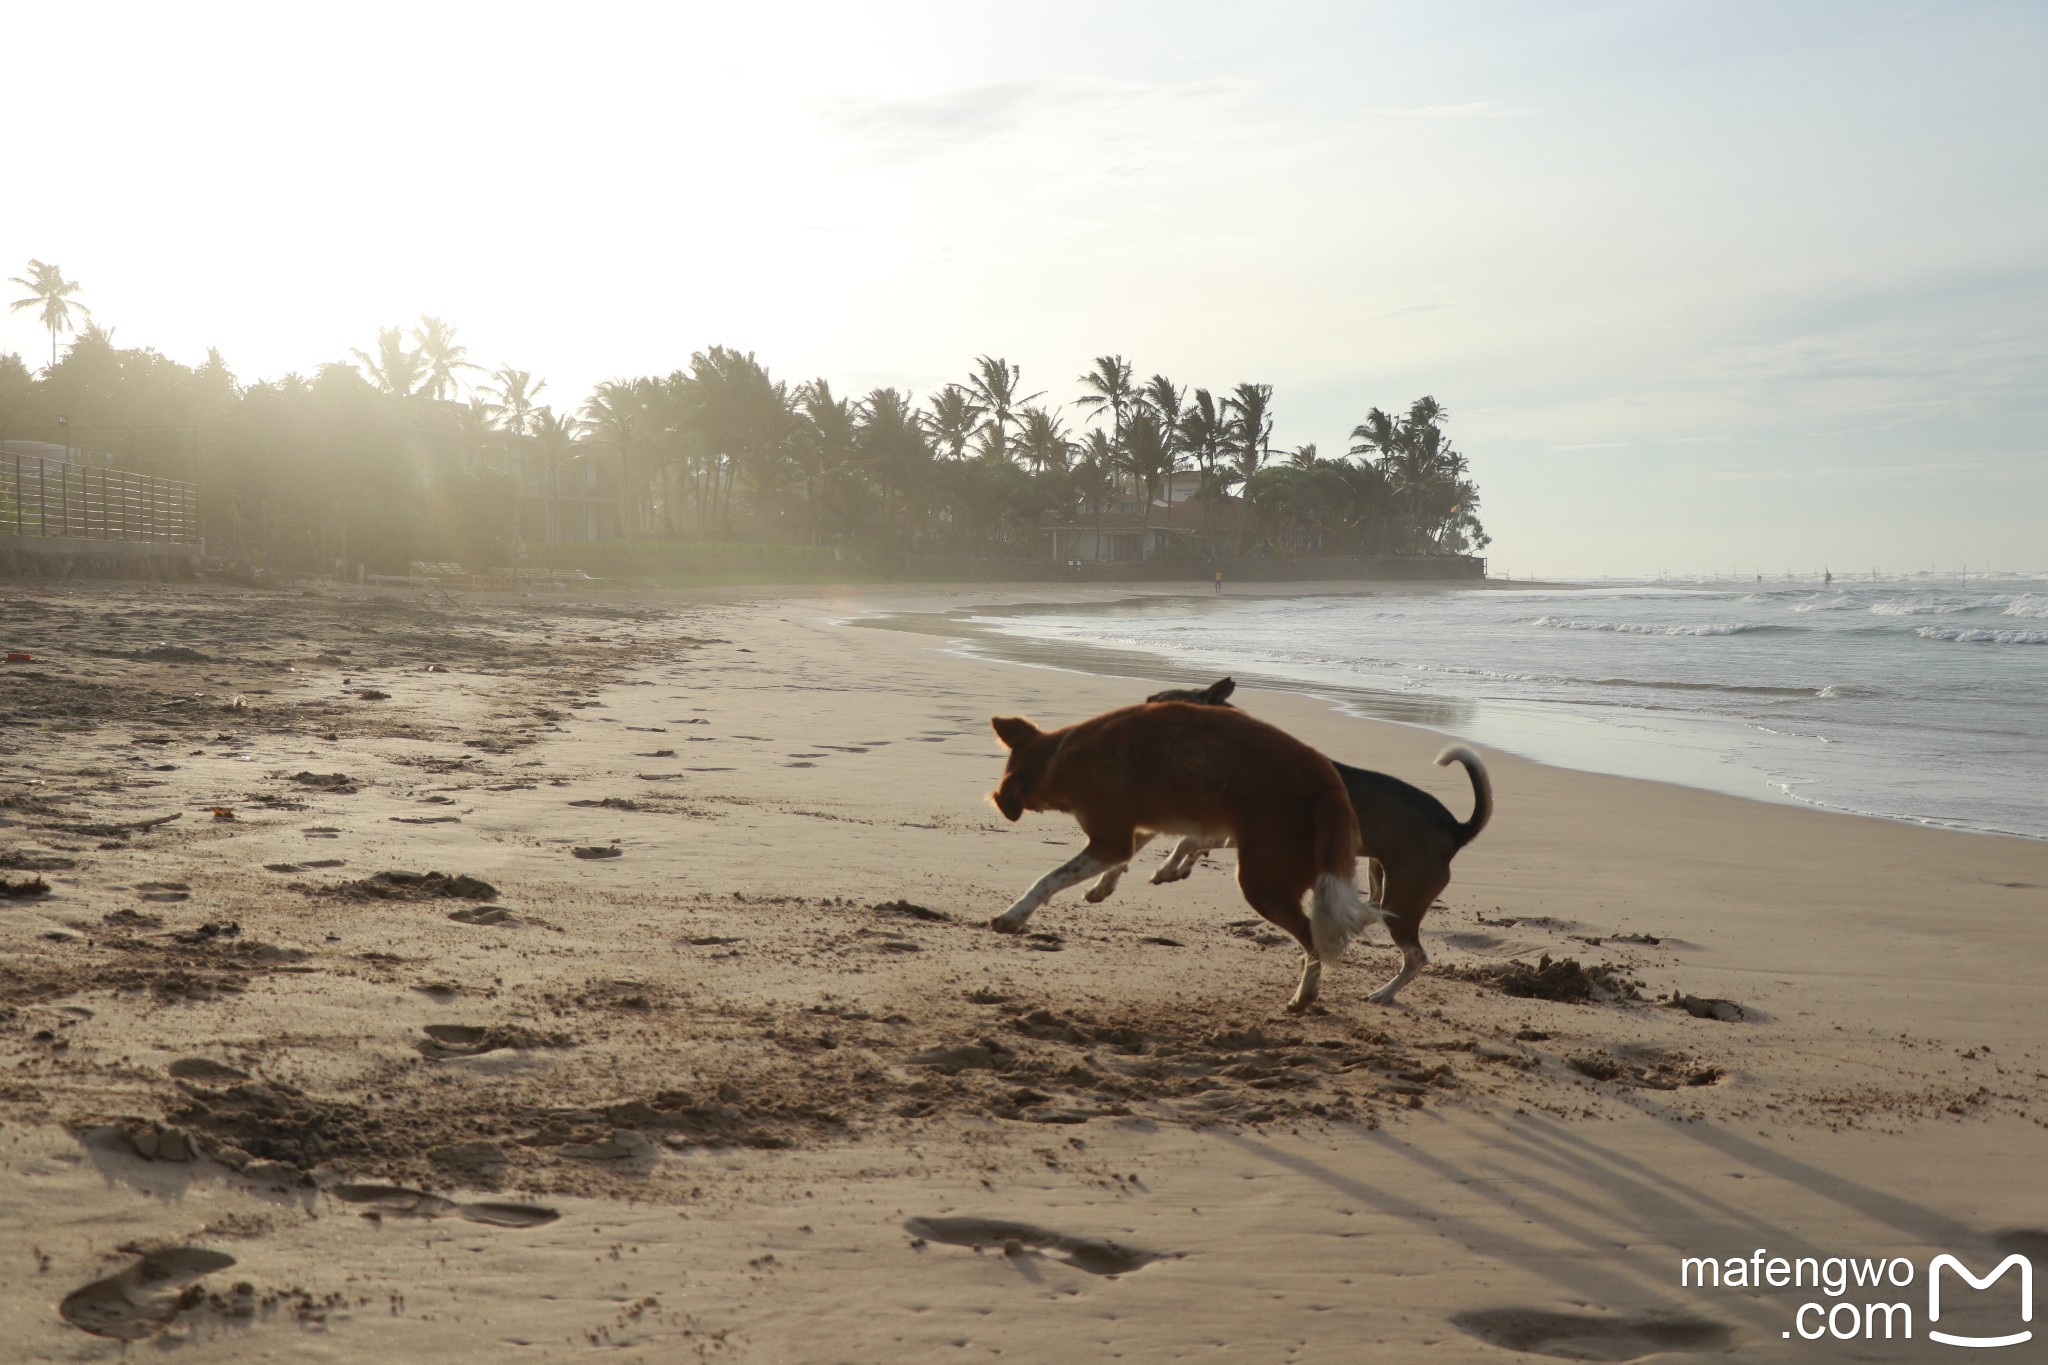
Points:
(40, 497)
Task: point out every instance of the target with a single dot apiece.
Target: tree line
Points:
(408, 449)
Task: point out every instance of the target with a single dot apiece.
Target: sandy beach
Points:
(699, 1046)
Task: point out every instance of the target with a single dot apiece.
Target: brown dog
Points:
(1407, 835)
(1208, 772)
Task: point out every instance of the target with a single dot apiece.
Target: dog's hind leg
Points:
(1181, 862)
(1276, 903)
(1408, 895)
(1105, 885)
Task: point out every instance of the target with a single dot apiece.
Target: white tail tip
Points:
(1336, 915)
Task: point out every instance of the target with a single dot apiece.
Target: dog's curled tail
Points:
(1336, 913)
(1482, 790)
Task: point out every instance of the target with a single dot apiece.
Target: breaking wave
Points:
(1964, 636)
(1634, 628)
(1924, 606)
(2028, 604)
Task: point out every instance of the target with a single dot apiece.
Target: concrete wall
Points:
(74, 557)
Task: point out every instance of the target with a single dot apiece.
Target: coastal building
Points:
(1176, 525)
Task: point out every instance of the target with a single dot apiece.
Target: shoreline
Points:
(737, 1063)
(1574, 743)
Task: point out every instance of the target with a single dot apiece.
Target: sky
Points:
(1706, 287)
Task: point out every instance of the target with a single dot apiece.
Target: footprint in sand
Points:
(508, 1215)
(2031, 1243)
(206, 1071)
(1097, 1256)
(144, 1299)
(393, 1200)
(484, 915)
(396, 1201)
(458, 1040)
(1591, 1336)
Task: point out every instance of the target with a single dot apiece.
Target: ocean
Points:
(1919, 698)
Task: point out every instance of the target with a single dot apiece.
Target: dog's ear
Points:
(1014, 731)
(1220, 690)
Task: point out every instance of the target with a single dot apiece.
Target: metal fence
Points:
(40, 497)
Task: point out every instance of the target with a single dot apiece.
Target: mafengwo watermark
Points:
(1866, 1298)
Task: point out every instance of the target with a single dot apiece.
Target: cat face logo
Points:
(1934, 1298)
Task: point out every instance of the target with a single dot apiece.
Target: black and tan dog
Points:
(1409, 835)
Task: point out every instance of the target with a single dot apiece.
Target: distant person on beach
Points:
(1219, 582)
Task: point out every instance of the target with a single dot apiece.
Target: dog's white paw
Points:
(1169, 873)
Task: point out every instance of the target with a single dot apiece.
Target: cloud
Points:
(926, 125)
(1476, 109)
(1409, 309)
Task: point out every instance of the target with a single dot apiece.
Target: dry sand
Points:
(763, 1086)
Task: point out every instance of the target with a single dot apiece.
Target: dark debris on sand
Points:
(407, 886)
(1660, 1071)
(1563, 979)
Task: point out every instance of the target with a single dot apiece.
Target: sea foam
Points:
(2032, 605)
(1634, 628)
(1964, 636)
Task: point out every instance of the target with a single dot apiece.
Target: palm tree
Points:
(394, 370)
(951, 418)
(742, 421)
(1094, 478)
(769, 428)
(1149, 455)
(615, 414)
(441, 356)
(994, 386)
(825, 443)
(1163, 399)
(49, 290)
(1303, 457)
(1435, 504)
(1251, 440)
(895, 452)
(1109, 390)
(1205, 433)
(512, 400)
(1043, 441)
(555, 438)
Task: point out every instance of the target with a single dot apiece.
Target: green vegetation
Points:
(719, 467)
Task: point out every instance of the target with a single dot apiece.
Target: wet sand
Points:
(699, 1043)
